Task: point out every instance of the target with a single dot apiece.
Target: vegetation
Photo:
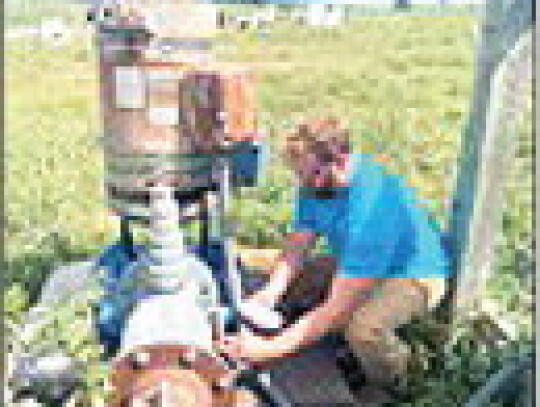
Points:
(402, 82)
(19, 13)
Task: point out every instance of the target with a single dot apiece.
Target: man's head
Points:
(317, 151)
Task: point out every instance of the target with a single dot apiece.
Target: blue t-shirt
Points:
(374, 227)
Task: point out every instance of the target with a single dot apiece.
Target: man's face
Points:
(312, 169)
(303, 162)
(315, 158)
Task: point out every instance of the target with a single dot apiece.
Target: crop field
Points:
(402, 83)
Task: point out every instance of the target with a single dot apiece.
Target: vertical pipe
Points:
(233, 277)
(126, 238)
(204, 233)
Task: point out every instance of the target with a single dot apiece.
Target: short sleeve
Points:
(375, 227)
(304, 216)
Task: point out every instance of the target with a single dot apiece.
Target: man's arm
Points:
(345, 296)
(297, 247)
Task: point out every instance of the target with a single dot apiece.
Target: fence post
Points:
(485, 148)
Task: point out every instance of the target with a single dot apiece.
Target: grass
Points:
(361, 72)
(27, 13)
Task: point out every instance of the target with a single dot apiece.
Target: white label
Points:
(129, 87)
(163, 116)
(160, 75)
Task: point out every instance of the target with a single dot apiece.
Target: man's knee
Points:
(389, 306)
(365, 332)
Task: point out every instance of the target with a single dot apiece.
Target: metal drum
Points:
(168, 109)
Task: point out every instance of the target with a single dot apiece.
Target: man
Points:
(386, 256)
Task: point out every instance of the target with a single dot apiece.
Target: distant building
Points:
(445, 2)
(54, 31)
(394, 3)
(374, 3)
(325, 15)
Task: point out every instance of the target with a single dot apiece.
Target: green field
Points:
(403, 83)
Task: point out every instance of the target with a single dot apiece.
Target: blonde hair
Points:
(326, 138)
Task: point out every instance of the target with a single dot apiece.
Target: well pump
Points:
(180, 131)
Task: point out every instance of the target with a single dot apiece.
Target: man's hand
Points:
(255, 349)
(263, 298)
(261, 315)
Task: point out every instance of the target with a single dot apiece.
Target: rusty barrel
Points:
(168, 110)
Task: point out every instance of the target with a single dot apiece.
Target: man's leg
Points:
(371, 330)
